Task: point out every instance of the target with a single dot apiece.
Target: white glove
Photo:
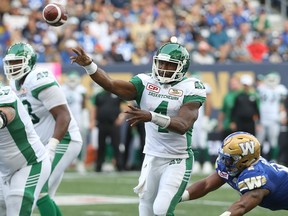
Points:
(51, 147)
(226, 213)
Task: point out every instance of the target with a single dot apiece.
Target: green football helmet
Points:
(173, 54)
(19, 60)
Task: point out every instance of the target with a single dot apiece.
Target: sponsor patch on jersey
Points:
(152, 87)
(223, 174)
(175, 92)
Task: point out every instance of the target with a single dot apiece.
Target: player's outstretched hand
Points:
(81, 58)
(136, 115)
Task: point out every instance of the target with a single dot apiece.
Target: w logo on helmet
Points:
(247, 147)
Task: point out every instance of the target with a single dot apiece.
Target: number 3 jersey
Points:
(261, 175)
(20, 145)
(166, 99)
(37, 81)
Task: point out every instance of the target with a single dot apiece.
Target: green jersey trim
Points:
(137, 82)
(18, 133)
(35, 92)
(194, 98)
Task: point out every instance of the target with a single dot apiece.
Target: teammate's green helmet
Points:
(176, 55)
(19, 60)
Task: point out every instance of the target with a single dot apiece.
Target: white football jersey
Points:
(19, 145)
(75, 100)
(166, 99)
(36, 81)
(270, 100)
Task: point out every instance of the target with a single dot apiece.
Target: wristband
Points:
(91, 68)
(160, 120)
(185, 196)
(3, 120)
(53, 142)
(226, 213)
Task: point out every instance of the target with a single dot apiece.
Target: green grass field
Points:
(76, 191)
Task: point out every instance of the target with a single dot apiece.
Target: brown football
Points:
(55, 14)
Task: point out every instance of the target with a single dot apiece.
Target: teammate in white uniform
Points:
(272, 112)
(24, 163)
(75, 94)
(47, 106)
(201, 129)
(169, 104)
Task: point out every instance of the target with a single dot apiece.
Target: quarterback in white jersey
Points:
(169, 104)
(47, 106)
(24, 163)
(272, 111)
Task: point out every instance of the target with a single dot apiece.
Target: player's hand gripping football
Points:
(136, 115)
(82, 58)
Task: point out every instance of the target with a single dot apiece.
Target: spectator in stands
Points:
(273, 56)
(140, 56)
(261, 23)
(213, 15)
(239, 52)
(113, 56)
(245, 111)
(219, 41)
(87, 40)
(66, 51)
(246, 33)
(239, 16)
(258, 48)
(139, 31)
(284, 38)
(202, 54)
(49, 52)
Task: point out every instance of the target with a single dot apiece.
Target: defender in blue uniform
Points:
(240, 165)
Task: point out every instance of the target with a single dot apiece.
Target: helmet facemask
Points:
(167, 75)
(19, 61)
(230, 162)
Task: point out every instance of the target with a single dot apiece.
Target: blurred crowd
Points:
(130, 31)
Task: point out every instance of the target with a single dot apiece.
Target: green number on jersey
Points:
(33, 117)
(162, 109)
(199, 85)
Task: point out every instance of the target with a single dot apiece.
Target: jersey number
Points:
(162, 109)
(33, 117)
(199, 85)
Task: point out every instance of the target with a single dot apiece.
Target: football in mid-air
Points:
(55, 14)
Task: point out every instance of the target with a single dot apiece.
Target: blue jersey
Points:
(262, 174)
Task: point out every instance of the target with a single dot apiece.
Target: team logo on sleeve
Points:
(152, 87)
(252, 183)
(175, 92)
